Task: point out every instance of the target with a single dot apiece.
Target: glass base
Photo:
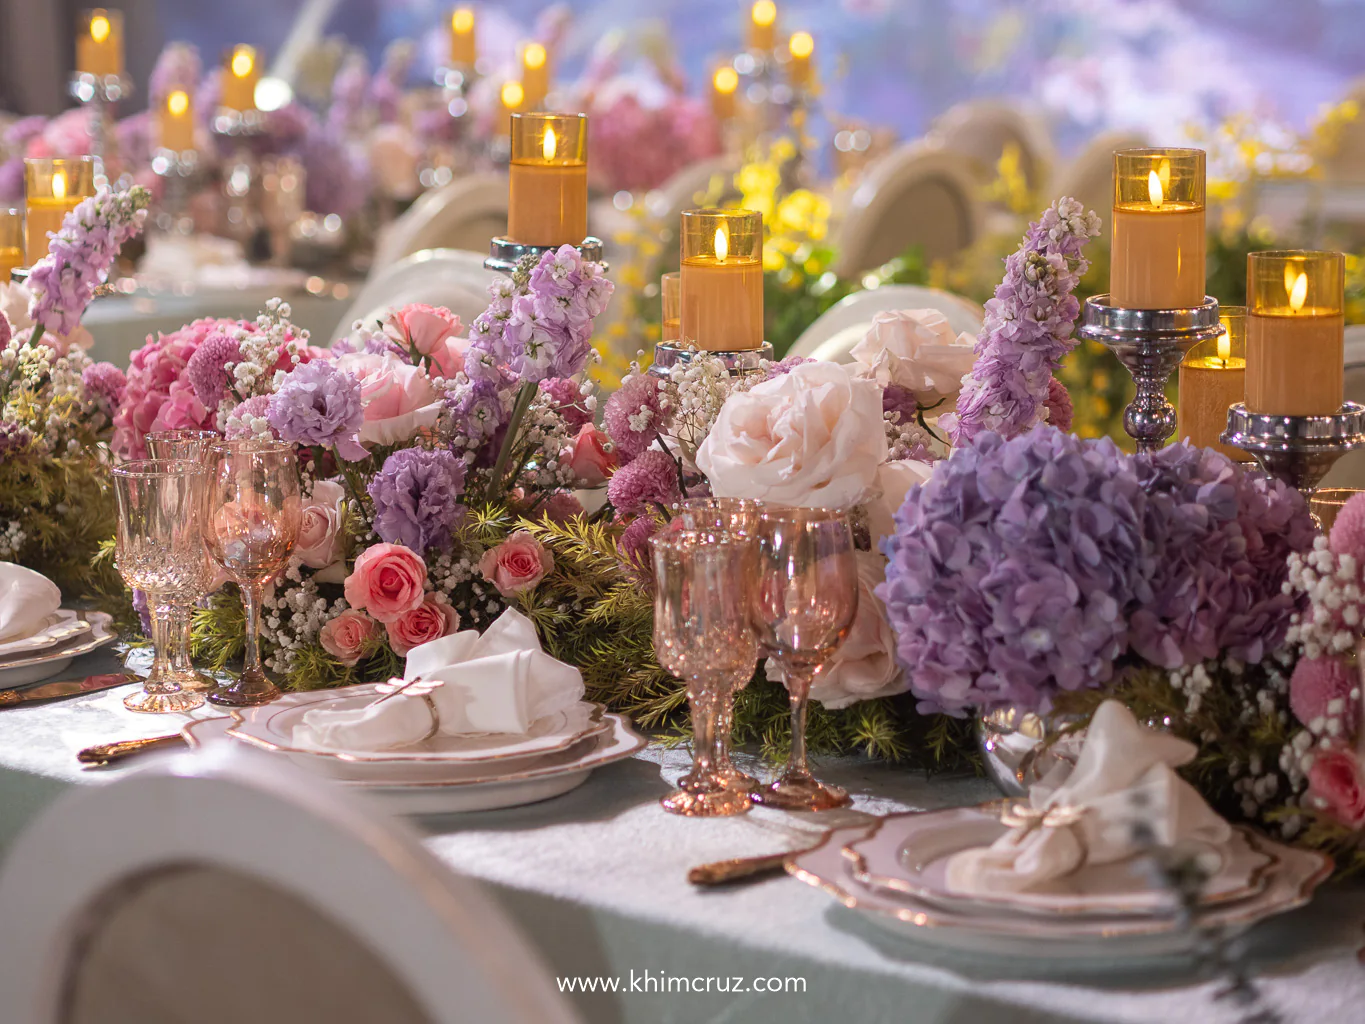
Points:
(161, 703)
(740, 782)
(248, 691)
(716, 803)
(192, 680)
(801, 793)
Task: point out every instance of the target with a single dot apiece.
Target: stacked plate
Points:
(896, 874)
(445, 774)
(63, 635)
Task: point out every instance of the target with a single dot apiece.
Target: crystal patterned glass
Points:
(252, 524)
(188, 446)
(805, 597)
(159, 548)
(728, 517)
(702, 635)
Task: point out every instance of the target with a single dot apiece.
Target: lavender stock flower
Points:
(319, 404)
(416, 498)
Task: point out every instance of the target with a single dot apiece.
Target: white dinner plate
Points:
(60, 626)
(1290, 885)
(554, 775)
(35, 666)
(909, 854)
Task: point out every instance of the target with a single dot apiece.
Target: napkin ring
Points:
(435, 717)
(1029, 818)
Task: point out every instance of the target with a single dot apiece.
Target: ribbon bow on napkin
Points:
(500, 682)
(1089, 814)
(27, 598)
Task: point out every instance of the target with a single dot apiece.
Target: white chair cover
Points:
(462, 215)
(845, 323)
(220, 887)
(981, 129)
(454, 278)
(918, 195)
(1090, 176)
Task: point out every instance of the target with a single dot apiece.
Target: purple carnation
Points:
(650, 479)
(416, 498)
(785, 366)
(104, 383)
(631, 416)
(319, 404)
(207, 369)
(567, 397)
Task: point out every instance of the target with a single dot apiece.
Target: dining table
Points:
(597, 880)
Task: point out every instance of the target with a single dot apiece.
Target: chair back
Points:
(1090, 176)
(453, 278)
(981, 130)
(462, 215)
(844, 324)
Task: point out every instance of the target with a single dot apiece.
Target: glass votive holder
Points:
(99, 43)
(721, 282)
(11, 241)
(548, 179)
(53, 187)
(1213, 377)
(1157, 257)
(1326, 504)
(670, 291)
(1295, 332)
(241, 73)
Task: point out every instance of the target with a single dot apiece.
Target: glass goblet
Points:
(703, 636)
(736, 517)
(805, 597)
(251, 526)
(159, 549)
(190, 446)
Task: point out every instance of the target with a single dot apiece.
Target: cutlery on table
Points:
(66, 688)
(107, 753)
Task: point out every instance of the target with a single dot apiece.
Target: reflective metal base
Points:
(504, 254)
(668, 354)
(1297, 449)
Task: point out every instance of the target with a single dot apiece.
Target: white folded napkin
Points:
(500, 682)
(1125, 774)
(27, 598)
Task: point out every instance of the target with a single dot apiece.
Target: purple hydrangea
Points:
(631, 416)
(567, 396)
(416, 498)
(650, 479)
(207, 370)
(319, 404)
(104, 384)
(1028, 327)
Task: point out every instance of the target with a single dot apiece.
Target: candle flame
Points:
(177, 103)
(1291, 274)
(1299, 293)
(59, 185)
(725, 80)
(1224, 345)
(764, 13)
(99, 27)
(462, 21)
(512, 95)
(1163, 171)
(549, 145)
(533, 56)
(722, 244)
(801, 45)
(1154, 190)
(243, 60)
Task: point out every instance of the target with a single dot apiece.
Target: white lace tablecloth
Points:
(596, 879)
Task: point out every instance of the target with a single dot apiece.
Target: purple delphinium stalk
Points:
(416, 498)
(1028, 327)
(208, 369)
(650, 479)
(478, 411)
(631, 415)
(785, 366)
(79, 256)
(319, 404)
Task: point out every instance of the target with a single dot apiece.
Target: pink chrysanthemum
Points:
(634, 544)
(103, 383)
(631, 417)
(207, 368)
(567, 396)
(1319, 682)
(1348, 532)
(561, 506)
(651, 479)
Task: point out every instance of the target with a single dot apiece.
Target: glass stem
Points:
(158, 679)
(703, 734)
(251, 603)
(180, 639)
(798, 692)
(725, 717)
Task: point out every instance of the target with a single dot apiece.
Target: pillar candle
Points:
(11, 241)
(1213, 377)
(240, 76)
(535, 74)
(99, 44)
(721, 280)
(762, 25)
(800, 47)
(53, 188)
(463, 50)
(1157, 258)
(670, 290)
(548, 203)
(176, 122)
(1295, 333)
(723, 85)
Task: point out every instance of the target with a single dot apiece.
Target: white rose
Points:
(894, 480)
(916, 349)
(812, 438)
(864, 666)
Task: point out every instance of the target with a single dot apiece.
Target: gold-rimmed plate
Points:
(909, 854)
(59, 627)
(22, 669)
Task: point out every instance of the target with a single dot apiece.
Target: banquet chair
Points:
(706, 181)
(454, 278)
(980, 130)
(917, 195)
(462, 215)
(220, 888)
(1349, 470)
(1090, 176)
(844, 324)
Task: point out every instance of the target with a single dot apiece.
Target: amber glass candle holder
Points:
(53, 188)
(1213, 377)
(548, 204)
(1158, 250)
(464, 50)
(721, 281)
(670, 290)
(11, 241)
(241, 72)
(762, 25)
(1295, 325)
(99, 43)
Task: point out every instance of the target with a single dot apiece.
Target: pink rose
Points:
(399, 399)
(591, 456)
(422, 327)
(1335, 779)
(319, 543)
(388, 580)
(517, 564)
(348, 635)
(430, 620)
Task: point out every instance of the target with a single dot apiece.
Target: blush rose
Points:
(430, 620)
(348, 636)
(388, 581)
(517, 564)
(591, 456)
(1335, 779)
